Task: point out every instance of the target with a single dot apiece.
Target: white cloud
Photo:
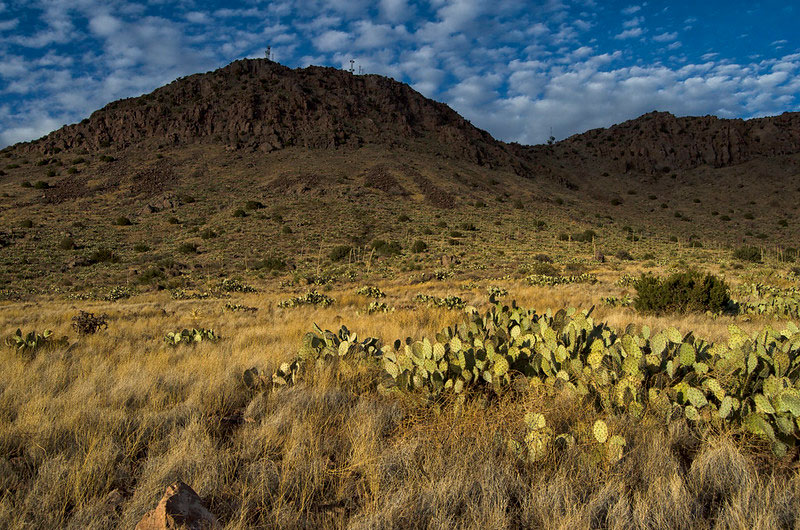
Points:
(396, 10)
(631, 10)
(665, 37)
(629, 34)
(104, 25)
(332, 41)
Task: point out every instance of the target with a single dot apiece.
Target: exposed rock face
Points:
(180, 507)
(661, 142)
(261, 105)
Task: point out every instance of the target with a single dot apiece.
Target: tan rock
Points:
(180, 507)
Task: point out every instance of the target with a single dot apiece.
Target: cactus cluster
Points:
(230, 285)
(312, 297)
(119, 293)
(319, 348)
(378, 307)
(627, 280)
(753, 380)
(190, 336)
(182, 294)
(29, 343)
(370, 291)
(495, 291)
(762, 299)
(545, 280)
(613, 301)
(239, 308)
(449, 302)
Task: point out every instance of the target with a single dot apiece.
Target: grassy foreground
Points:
(91, 434)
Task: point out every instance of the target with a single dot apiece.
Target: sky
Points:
(522, 70)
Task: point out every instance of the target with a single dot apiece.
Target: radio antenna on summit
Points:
(268, 53)
(352, 68)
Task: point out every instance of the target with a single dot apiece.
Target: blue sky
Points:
(517, 69)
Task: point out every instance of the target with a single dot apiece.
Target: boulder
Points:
(180, 507)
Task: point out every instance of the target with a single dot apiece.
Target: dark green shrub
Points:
(403, 218)
(340, 252)
(153, 274)
(271, 263)
(173, 220)
(427, 231)
(286, 230)
(51, 172)
(208, 234)
(419, 246)
(140, 247)
(624, 255)
(456, 233)
(72, 171)
(253, 205)
(441, 224)
(102, 255)
(67, 244)
(26, 184)
(470, 227)
(681, 292)
(543, 269)
(749, 215)
(383, 248)
(239, 213)
(616, 202)
(585, 237)
(122, 221)
(747, 253)
(543, 258)
(188, 248)
(783, 223)
(724, 218)
(518, 204)
(26, 223)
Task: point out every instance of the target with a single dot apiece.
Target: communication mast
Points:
(360, 70)
(352, 68)
(268, 53)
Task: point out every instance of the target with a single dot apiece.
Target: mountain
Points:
(257, 164)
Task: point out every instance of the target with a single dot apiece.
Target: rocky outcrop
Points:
(261, 105)
(660, 142)
(180, 507)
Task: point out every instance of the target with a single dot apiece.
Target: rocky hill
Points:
(661, 142)
(262, 106)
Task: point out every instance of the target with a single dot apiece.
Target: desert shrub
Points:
(616, 202)
(427, 231)
(747, 253)
(208, 233)
(518, 204)
(26, 184)
(724, 218)
(107, 158)
(624, 255)
(26, 223)
(41, 185)
(271, 263)
(403, 218)
(419, 246)
(66, 243)
(188, 248)
(140, 247)
(384, 248)
(102, 255)
(72, 171)
(85, 323)
(286, 230)
(441, 224)
(470, 227)
(151, 275)
(681, 292)
(239, 213)
(340, 252)
(232, 285)
(783, 223)
(585, 237)
(253, 205)
(543, 269)
(122, 221)
(456, 233)
(542, 258)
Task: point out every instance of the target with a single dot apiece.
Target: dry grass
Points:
(120, 410)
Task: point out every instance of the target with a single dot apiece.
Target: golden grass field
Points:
(91, 434)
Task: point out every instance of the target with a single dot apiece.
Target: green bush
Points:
(384, 248)
(747, 253)
(140, 247)
(208, 233)
(419, 246)
(340, 252)
(26, 223)
(67, 243)
(122, 221)
(681, 292)
(271, 263)
(239, 213)
(253, 205)
(102, 255)
(188, 248)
